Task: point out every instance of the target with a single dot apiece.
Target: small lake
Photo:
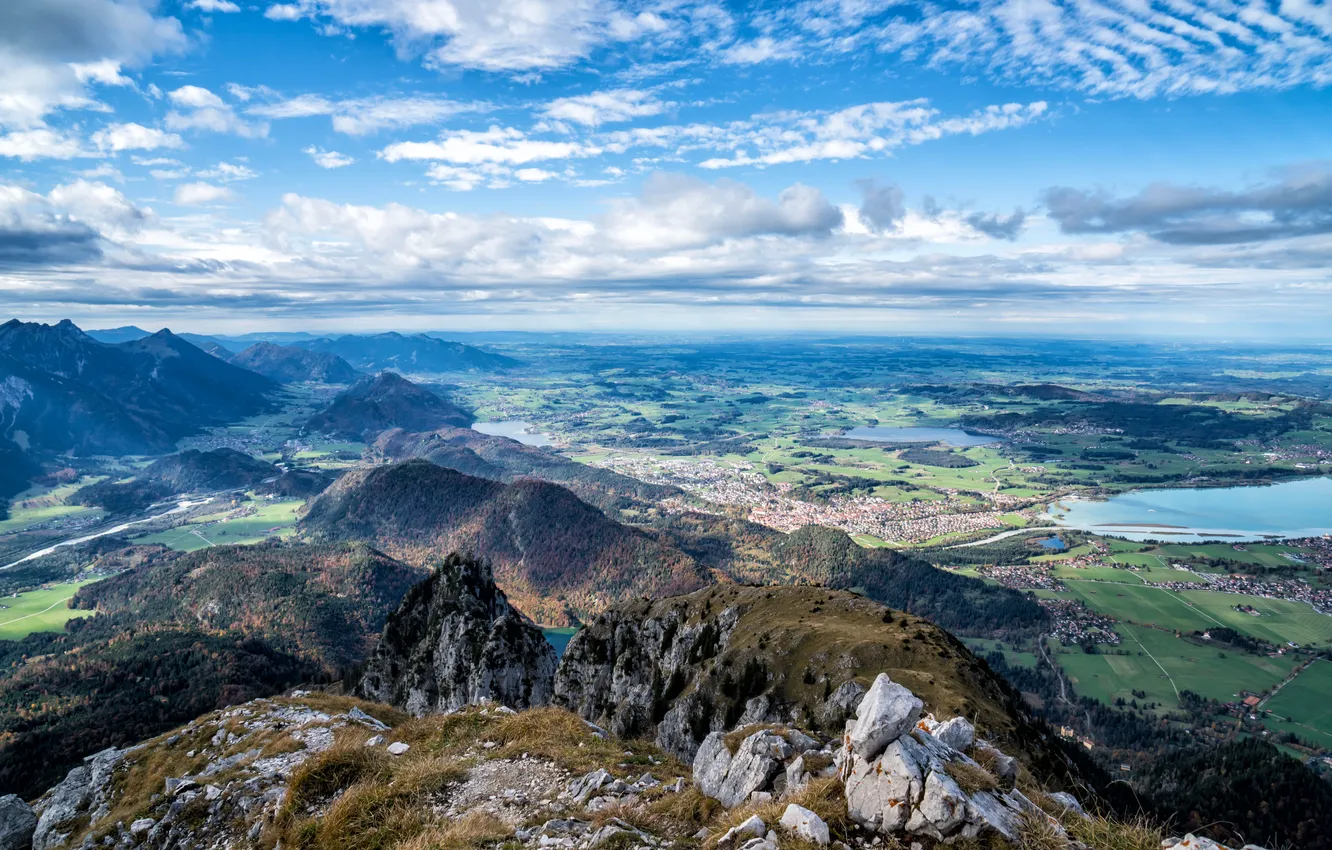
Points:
(559, 638)
(1053, 543)
(1297, 508)
(514, 429)
(950, 436)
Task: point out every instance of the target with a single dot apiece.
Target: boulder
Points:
(17, 823)
(731, 779)
(887, 712)
(957, 733)
(806, 824)
(840, 706)
(752, 828)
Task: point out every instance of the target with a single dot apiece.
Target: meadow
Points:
(1160, 664)
(230, 526)
(1304, 705)
(43, 610)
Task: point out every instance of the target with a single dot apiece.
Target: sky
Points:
(1025, 167)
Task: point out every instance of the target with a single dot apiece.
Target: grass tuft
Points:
(971, 777)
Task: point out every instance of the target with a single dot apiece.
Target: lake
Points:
(514, 429)
(951, 436)
(559, 638)
(1297, 508)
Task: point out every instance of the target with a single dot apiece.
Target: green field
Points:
(1278, 621)
(218, 530)
(983, 646)
(1304, 705)
(1158, 663)
(43, 610)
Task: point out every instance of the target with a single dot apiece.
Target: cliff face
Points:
(456, 640)
(678, 669)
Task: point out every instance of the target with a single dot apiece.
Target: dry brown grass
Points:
(562, 737)
(1041, 832)
(686, 812)
(1099, 833)
(735, 738)
(473, 830)
(325, 774)
(971, 777)
(824, 797)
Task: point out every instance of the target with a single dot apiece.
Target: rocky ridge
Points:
(455, 640)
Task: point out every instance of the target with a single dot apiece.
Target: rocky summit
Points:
(455, 640)
(311, 770)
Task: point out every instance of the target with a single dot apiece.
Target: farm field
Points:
(1277, 621)
(1159, 664)
(1304, 705)
(1017, 658)
(226, 528)
(43, 610)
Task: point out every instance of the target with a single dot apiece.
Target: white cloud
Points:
(196, 97)
(283, 12)
(328, 159)
(103, 71)
(29, 145)
(865, 130)
(124, 137)
(1123, 49)
(202, 194)
(605, 107)
(362, 116)
(207, 111)
(223, 6)
(51, 52)
(676, 211)
(228, 172)
(99, 205)
(489, 35)
(758, 51)
(534, 175)
(504, 145)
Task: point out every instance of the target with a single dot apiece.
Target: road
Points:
(1012, 532)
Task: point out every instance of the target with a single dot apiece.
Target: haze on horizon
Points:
(984, 167)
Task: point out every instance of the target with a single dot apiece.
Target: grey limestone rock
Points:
(17, 823)
(455, 640)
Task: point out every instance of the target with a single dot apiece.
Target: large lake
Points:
(514, 429)
(1298, 508)
(950, 436)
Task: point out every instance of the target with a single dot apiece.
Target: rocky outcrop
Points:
(455, 640)
(676, 670)
(902, 776)
(84, 796)
(17, 823)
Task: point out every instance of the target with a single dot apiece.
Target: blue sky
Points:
(997, 166)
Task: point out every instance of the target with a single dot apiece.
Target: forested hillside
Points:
(558, 558)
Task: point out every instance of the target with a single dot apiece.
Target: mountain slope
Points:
(748, 552)
(189, 471)
(74, 392)
(387, 400)
(288, 364)
(503, 459)
(410, 353)
(177, 635)
(556, 557)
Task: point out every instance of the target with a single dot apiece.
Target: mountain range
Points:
(409, 353)
(62, 390)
